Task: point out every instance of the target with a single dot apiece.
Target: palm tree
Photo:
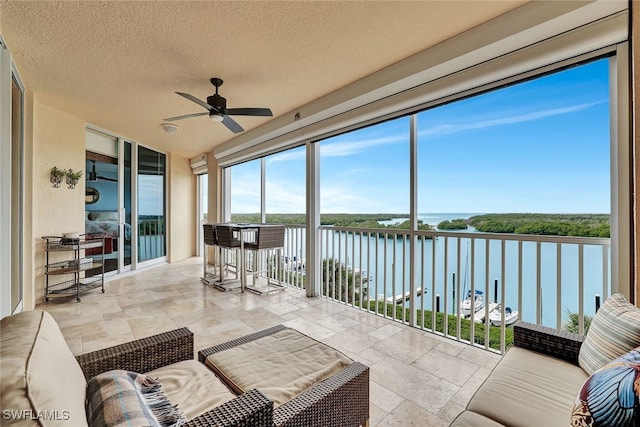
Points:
(341, 283)
(571, 324)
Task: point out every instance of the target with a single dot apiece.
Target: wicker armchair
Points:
(341, 400)
(147, 354)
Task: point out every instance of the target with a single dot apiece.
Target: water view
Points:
(371, 253)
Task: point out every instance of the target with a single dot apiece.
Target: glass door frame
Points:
(8, 76)
(135, 229)
(121, 205)
(120, 143)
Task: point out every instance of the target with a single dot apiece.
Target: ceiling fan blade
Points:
(265, 112)
(231, 124)
(186, 116)
(197, 101)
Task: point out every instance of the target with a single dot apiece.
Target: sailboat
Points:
(472, 303)
(510, 316)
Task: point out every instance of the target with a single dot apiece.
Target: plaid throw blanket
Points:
(121, 398)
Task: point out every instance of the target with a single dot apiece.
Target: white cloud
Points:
(448, 129)
(298, 154)
(352, 147)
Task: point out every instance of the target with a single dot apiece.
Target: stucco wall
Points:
(182, 209)
(58, 140)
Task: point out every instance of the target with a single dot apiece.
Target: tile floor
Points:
(417, 378)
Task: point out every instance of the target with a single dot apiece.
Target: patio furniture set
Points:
(261, 244)
(281, 377)
(157, 381)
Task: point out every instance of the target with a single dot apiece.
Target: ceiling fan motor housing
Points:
(218, 102)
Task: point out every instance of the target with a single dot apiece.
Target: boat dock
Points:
(400, 298)
(478, 316)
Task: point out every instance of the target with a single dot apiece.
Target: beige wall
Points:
(181, 241)
(58, 140)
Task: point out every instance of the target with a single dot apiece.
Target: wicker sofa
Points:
(42, 383)
(535, 383)
(555, 378)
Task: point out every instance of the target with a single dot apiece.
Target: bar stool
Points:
(210, 239)
(227, 240)
(267, 238)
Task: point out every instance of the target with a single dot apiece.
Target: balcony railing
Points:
(151, 237)
(423, 281)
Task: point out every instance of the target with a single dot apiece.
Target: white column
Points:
(314, 261)
(622, 264)
(413, 214)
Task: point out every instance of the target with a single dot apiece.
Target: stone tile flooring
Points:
(417, 378)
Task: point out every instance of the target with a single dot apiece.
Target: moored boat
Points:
(469, 304)
(510, 316)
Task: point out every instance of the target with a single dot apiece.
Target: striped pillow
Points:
(614, 331)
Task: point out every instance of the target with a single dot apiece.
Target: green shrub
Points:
(425, 318)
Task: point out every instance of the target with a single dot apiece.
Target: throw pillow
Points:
(610, 396)
(614, 330)
(121, 398)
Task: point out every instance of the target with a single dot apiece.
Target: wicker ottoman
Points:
(311, 383)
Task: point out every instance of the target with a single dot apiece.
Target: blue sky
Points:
(538, 146)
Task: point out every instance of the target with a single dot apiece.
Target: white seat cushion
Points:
(471, 419)
(529, 389)
(39, 372)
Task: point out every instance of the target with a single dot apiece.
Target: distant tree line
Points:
(579, 225)
(337, 220)
(455, 224)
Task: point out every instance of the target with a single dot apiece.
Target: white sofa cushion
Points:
(41, 379)
(529, 389)
(471, 419)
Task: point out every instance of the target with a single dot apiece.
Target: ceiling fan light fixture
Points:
(216, 117)
(169, 128)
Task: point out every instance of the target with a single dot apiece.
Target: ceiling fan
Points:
(93, 176)
(218, 111)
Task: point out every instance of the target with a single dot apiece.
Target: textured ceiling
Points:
(117, 64)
